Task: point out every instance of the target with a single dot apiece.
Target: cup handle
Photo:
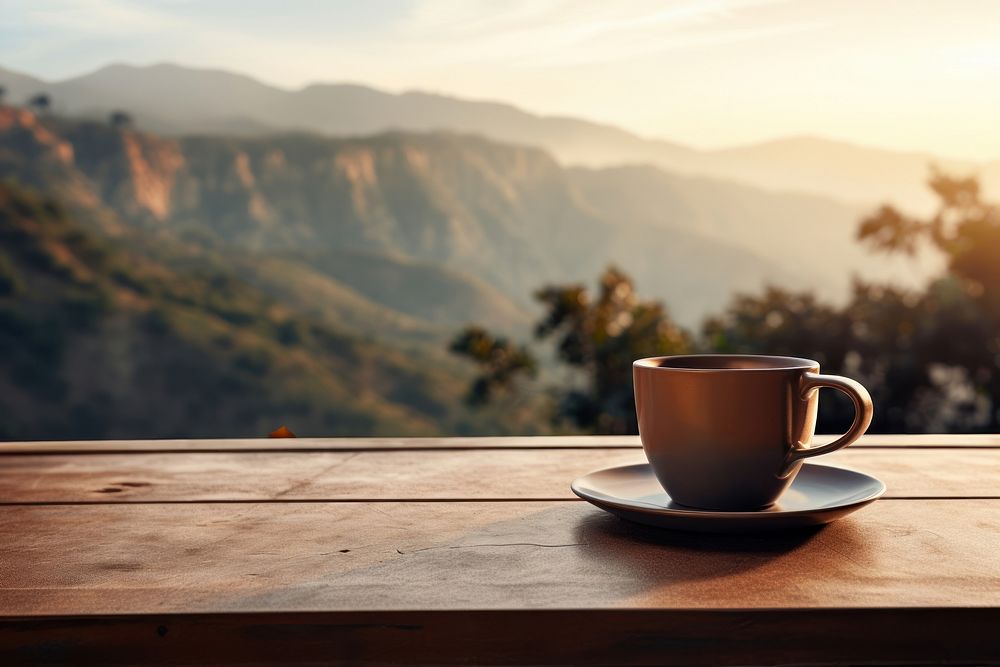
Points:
(863, 412)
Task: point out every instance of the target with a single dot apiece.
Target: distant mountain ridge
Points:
(176, 100)
(455, 228)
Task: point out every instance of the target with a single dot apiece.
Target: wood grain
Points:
(511, 442)
(419, 475)
(391, 551)
(158, 559)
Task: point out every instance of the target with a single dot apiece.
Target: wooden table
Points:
(458, 551)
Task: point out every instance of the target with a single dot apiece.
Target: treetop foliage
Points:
(930, 357)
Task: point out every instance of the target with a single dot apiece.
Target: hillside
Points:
(197, 191)
(434, 230)
(403, 286)
(170, 99)
(100, 342)
(469, 227)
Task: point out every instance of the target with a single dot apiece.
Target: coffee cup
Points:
(730, 431)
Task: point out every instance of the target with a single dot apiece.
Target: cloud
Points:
(300, 42)
(562, 33)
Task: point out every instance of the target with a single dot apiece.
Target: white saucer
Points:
(819, 494)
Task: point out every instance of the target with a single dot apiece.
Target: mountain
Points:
(206, 285)
(435, 230)
(104, 339)
(188, 99)
(460, 227)
(849, 171)
(811, 238)
(177, 100)
(404, 285)
(198, 190)
(18, 87)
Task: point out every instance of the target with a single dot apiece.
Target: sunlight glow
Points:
(710, 73)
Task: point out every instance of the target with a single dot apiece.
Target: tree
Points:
(964, 228)
(780, 322)
(931, 358)
(40, 102)
(598, 338)
(875, 338)
(961, 310)
(500, 362)
(120, 119)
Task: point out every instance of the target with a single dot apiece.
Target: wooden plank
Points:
(59, 561)
(510, 442)
(508, 637)
(319, 444)
(419, 475)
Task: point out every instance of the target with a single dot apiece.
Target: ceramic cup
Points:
(730, 431)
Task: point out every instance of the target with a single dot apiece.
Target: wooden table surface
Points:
(474, 551)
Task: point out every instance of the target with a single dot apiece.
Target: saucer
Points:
(819, 494)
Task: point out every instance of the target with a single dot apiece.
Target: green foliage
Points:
(151, 332)
(601, 338)
(256, 361)
(125, 278)
(500, 362)
(161, 342)
(291, 332)
(33, 344)
(82, 308)
(797, 324)
(40, 102)
(931, 359)
(85, 246)
(10, 280)
(781, 322)
(598, 337)
(120, 119)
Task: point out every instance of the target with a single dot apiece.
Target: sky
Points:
(908, 75)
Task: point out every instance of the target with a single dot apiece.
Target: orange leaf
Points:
(281, 432)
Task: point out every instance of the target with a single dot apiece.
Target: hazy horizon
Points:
(777, 138)
(890, 77)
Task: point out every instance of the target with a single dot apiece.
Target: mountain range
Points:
(439, 229)
(175, 100)
(222, 274)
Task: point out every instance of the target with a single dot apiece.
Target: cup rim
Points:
(780, 363)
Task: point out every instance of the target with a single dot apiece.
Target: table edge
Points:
(301, 445)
